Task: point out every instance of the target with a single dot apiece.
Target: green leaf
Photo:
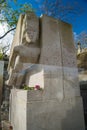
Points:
(11, 15)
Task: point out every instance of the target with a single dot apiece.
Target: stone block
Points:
(70, 82)
(52, 115)
(53, 83)
(35, 76)
(42, 114)
(34, 95)
(50, 42)
(59, 46)
(50, 78)
(67, 45)
(58, 82)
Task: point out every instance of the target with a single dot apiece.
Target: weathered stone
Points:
(26, 49)
(19, 80)
(70, 79)
(26, 54)
(12, 78)
(67, 45)
(50, 42)
(18, 107)
(49, 78)
(1, 79)
(26, 40)
(48, 114)
(15, 79)
(18, 65)
(30, 29)
(58, 105)
(17, 37)
(52, 115)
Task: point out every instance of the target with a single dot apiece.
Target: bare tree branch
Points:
(60, 10)
(7, 32)
(82, 38)
(5, 47)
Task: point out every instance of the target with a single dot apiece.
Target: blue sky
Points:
(80, 22)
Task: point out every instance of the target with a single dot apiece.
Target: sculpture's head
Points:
(30, 29)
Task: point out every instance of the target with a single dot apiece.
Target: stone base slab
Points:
(45, 114)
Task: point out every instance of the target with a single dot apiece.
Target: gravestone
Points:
(1, 78)
(1, 85)
(45, 57)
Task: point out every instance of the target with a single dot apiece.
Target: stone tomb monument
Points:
(43, 54)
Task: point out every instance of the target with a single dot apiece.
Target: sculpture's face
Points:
(31, 29)
(32, 32)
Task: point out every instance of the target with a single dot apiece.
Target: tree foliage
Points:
(1, 56)
(5, 47)
(10, 15)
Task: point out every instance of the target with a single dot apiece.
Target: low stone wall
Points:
(1, 78)
(18, 109)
